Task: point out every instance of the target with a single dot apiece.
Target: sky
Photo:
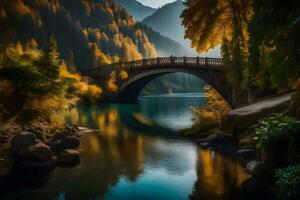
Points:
(155, 3)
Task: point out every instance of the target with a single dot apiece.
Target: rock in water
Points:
(246, 153)
(219, 138)
(38, 151)
(70, 142)
(68, 156)
(22, 141)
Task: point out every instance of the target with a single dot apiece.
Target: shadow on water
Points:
(123, 161)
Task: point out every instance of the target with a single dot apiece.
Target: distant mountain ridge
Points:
(136, 9)
(166, 20)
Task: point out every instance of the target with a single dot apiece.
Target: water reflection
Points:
(217, 176)
(171, 110)
(121, 162)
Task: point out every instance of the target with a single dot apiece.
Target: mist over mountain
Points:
(166, 20)
(137, 9)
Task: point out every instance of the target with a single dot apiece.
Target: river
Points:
(126, 160)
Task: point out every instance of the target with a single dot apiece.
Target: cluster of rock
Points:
(33, 151)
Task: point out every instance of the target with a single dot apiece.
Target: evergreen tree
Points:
(48, 64)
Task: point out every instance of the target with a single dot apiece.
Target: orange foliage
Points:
(123, 75)
(215, 108)
(129, 49)
(111, 83)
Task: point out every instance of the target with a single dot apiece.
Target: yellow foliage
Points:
(129, 49)
(19, 49)
(99, 55)
(49, 103)
(123, 75)
(81, 87)
(208, 23)
(111, 83)
(65, 74)
(94, 91)
(149, 49)
(57, 120)
(214, 110)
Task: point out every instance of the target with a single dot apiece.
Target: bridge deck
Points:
(212, 63)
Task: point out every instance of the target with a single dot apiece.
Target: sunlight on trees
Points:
(111, 83)
(35, 84)
(123, 75)
(213, 111)
(221, 22)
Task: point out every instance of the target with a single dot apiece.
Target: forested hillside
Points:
(88, 32)
(137, 9)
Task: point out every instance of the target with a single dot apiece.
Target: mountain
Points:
(166, 20)
(165, 46)
(88, 32)
(137, 9)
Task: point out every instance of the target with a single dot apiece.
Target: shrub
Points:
(288, 181)
(273, 128)
(212, 112)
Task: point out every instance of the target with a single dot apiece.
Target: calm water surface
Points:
(125, 160)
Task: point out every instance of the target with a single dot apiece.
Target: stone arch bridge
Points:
(143, 71)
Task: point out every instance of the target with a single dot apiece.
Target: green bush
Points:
(273, 128)
(288, 181)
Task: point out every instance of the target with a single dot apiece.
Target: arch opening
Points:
(177, 82)
(131, 89)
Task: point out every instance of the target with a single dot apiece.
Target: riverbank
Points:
(238, 126)
(237, 138)
(28, 149)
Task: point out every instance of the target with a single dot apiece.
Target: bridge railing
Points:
(213, 63)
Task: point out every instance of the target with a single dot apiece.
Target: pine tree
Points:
(48, 64)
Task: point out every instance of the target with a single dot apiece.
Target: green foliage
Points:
(48, 63)
(274, 43)
(288, 181)
(274, 128)
(33, 83)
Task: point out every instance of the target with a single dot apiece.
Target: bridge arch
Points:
(130, 89)
(141, 72)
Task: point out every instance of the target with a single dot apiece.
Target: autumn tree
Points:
(216, 105)
(210, 23)
(31, 80)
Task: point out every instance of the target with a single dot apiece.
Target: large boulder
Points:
(219, 141)
(246, 153)
(255, 168)
(56, 146)
(238, 120)
(22, 141)
(68, 156)
(70, 142)
(220, 138)
(37, 151)
(38, 132)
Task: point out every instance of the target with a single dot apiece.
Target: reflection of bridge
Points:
(143, 71)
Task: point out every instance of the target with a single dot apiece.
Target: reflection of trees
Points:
(216, 176)
(106, 156)
(113, 153)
